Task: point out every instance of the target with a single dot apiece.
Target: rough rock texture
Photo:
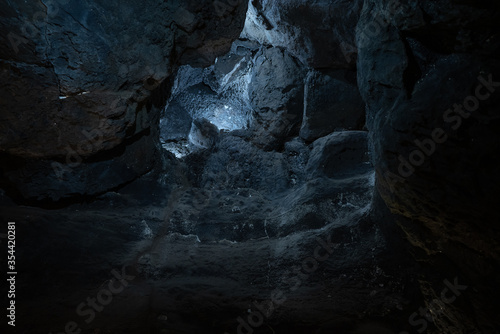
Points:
(331, 102)
(428, 72)
(252, 86)
(206, 246)
(276, 93)
(220, 96)
(275, 81)
(176, 123)
(320, 33)
(83, 81)
(203, 133)
(218, 93)
(340, 154)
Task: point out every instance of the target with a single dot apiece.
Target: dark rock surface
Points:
(204, 249)
(339, 155)
(331, 102)
(276, 81)
(434, 149)
(203, 133)
(91, 77)
(276, 93)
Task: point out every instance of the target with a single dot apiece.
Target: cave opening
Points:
(205, 102)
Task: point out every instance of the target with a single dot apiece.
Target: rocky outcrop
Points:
(276, 93)
(320, 33)
(203, 133)
(331, 102)
(339, 155)
(84, 81)
(428, 72)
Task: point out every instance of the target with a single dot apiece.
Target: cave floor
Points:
(204, 260)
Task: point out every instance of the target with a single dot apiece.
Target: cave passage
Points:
(246, 167)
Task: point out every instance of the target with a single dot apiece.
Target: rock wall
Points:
(429, 73)
(320, 33)
(83, 83)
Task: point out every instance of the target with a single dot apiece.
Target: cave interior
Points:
(259, 166)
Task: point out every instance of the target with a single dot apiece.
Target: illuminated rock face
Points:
(254, 87)
(203, 133)
(320, 33)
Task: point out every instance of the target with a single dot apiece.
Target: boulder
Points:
(203, 133)
(276, 93)
(340, 155)
(331, 102)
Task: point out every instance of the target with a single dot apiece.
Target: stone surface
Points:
(424, 58)
(329, 42)
(331, 102)
(276, 93)
(218, 93)
(257, 88)
(75, 70)
(203, 243)
(175, 124)
(339, 155)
